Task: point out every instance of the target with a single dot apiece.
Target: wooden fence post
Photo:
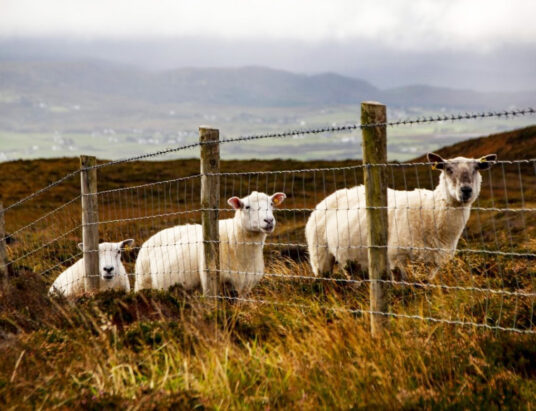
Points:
(375, 178)
(210, 202)
(90, 220)
(3, 252)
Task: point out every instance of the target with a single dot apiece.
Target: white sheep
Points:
(175, 255)
(424, 225)
(112, 272)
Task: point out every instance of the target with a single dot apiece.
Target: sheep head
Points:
(255, 211)
(110, 263)
(461, 176)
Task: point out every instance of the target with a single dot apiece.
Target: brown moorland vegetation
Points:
(303, 343)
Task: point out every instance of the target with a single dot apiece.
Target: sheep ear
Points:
(125, 244)
(278, 198)
(439, 162)
(81, 246)
(487, 161)
(235, 202)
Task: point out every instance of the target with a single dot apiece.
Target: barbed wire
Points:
(455, 117)
(173, 180)
(357, 166)
(326, 129)
(143, 156)
(408, 121)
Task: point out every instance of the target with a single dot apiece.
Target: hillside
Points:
(79, 81)
(517, 144)
(83, 81)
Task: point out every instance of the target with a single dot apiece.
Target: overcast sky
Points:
(423, 35)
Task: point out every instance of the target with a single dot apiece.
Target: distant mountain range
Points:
(82, 81)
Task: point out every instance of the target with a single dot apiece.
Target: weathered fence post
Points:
(90, 220)
(375, 178)
(3, 252)
(210, 202)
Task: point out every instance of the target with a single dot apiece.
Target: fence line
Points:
(502, 295)
(409, 121)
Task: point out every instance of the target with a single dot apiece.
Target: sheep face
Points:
(461, 177)
(110, 264)
(255, 212)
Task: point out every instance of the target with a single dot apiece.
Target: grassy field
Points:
(301, 344)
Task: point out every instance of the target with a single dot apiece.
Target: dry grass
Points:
(301, 349)
(171, 350)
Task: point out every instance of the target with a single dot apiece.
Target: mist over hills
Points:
(92, 80)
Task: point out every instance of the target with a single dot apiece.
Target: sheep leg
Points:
(403, 273)
(143, 278)
(352, 269)
(321, 261)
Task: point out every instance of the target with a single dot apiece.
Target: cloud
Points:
(476, 25)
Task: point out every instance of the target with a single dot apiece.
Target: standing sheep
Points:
(424, 225)
(112, 272)
(175, 255)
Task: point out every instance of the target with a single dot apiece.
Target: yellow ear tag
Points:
(434, 166)
(276, 201)
(483, 159)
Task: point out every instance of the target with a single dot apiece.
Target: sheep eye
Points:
(449, 170)
(247, 207)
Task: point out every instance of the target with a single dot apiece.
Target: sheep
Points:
(112, 272)
(424, 225)
(175, 255)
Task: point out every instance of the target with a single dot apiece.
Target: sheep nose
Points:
(466, 191)
(108, 269)
(269, 220)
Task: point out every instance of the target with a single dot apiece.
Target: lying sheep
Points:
(112, 272)
(175, 255)
(424, 225)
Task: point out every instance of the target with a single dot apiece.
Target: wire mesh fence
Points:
(487, 280)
